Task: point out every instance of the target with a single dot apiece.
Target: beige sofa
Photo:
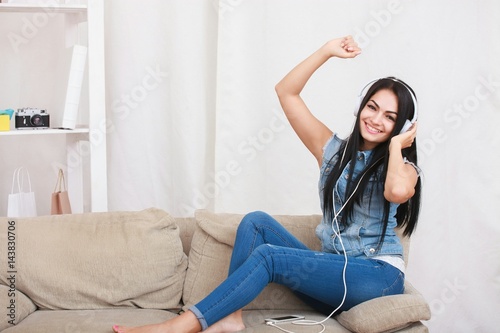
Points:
(86, 272)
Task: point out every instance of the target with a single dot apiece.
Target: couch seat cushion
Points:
(95, 321)
(98, 260)
(255, 322)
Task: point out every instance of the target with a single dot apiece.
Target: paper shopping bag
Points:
(60, 200)
(21, 203)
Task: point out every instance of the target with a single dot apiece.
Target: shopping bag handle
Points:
(20, 183)
(60, 183)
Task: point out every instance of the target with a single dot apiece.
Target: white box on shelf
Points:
(74, 88)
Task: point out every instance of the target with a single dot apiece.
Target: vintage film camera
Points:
(32, 118)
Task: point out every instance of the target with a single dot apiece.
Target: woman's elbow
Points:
(278, 88)
(399, 194)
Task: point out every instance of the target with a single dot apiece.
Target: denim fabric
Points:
(362, 235)
(266, 252)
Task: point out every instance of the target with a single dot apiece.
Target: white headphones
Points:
(408, 123)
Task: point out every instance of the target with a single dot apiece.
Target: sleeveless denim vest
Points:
(362, 235)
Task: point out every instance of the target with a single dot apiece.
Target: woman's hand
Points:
(405, 140)
(344, 47)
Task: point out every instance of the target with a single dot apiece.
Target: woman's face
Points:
(377, 118)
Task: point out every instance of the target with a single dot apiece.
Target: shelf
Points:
(46, 131)
(86, 161)
(42, 8)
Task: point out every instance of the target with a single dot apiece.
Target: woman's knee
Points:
(264, 253)
(254, 219)
(264, 250)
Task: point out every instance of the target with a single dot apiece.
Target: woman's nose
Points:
(377, 118)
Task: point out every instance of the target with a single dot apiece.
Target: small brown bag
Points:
(60, 199)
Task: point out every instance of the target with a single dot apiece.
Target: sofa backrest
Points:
(97, 260)
(187, 227)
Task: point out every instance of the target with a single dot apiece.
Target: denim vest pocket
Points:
(391, 246)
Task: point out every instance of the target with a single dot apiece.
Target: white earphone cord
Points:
(306, 322)
(336, 214)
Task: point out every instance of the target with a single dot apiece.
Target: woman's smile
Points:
(372, 129)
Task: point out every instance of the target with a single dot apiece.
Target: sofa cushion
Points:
(95, 321)
(255, 322)
(187, 226)
(211, 250)
(98, 260)
(16, 305)
(388, 313)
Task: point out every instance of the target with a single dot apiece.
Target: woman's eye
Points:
(372, 107)
(391, 118)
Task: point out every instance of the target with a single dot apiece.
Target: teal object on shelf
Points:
(9, 112)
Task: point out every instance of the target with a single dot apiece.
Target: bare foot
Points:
(157, 328)
(230, 324)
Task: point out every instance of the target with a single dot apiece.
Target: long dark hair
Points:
(407, 213)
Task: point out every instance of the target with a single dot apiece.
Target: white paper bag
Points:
(21, 203)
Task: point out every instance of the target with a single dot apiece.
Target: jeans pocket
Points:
(395, 282)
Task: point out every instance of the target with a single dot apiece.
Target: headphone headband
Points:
(408, 123)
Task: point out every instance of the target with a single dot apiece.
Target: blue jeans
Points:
(266, 252)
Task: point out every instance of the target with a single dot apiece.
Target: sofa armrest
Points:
(17, 305)
(388, 313)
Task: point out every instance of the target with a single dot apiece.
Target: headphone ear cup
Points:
(406, 126)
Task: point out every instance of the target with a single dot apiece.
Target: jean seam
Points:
(257, 229)
(396, 281)
(278, 235)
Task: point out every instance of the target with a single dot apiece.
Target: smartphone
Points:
(283, 319)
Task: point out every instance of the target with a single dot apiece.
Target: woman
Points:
(369, 183)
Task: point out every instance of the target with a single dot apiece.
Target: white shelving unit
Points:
(45, 132)
(34, 8)
(93, 13)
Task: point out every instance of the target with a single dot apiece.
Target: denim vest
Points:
(362, 235)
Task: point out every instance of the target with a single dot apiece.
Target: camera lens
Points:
(36, 120)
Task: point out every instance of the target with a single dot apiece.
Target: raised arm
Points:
(310, 130)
